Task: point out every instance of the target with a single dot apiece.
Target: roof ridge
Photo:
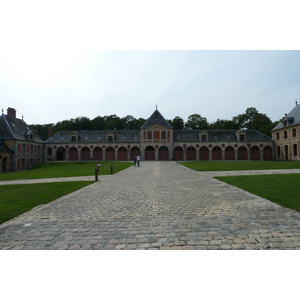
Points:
(8, 125)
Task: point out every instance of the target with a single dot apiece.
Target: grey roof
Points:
(96, 136)
(4, 147)
(156, 118)
(17, 129)
(218, 136)
(292, 118)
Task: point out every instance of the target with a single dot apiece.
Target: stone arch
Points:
(135, 151)
(163, 153)
(242, 153)
(73, 153)
(5, 164)
(255, 153)
(109, 153)
(122, 153)
(268, 153)
(178, 153)
(61, 153)
(229, 153)
(216, 153)
(85, 153)
(149, 153)
(204, 153)
(97, 155)
(191, 153)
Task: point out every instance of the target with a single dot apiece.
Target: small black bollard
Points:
(111, 169)
(97, 171)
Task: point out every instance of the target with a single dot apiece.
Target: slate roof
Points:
(4, 148)
(16, 129)
(95, 136)
(156, 118)
(218, 136)
(293, 118)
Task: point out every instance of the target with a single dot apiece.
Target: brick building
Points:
(157, 140)
(20, 147)
(287, 136)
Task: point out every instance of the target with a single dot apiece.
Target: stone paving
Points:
(160, 205)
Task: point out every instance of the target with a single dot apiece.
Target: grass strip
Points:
(17, 199)
(283, 189)
(240, 165)
(65, 169)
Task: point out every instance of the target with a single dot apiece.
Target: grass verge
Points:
(65, 169)
(17, 199)
(240, 165)
(283, 189)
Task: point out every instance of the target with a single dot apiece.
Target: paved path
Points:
(161, 205)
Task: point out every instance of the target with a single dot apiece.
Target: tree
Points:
(195, 121)
(177, 123)
(223, 124)
(262, 123)
(244, 120)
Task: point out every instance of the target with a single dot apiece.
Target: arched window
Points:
(204, 153)
(149, 153)
(163, 153)
(178, 153)
(110, 153)
(122, 154)
(191, 153)
(216, 153)
(229, 153)
(242, 153)
(85, 153)
(73, 153)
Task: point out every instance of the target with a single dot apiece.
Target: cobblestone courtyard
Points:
(160, 205)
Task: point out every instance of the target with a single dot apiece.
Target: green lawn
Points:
(17, 199)
(240, 165)
(65, 169)
(283, 189)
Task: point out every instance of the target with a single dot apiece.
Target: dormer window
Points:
(73, 138)
(242, 135)
(203, 136)
(110, 138)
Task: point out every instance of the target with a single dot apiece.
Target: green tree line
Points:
(250, 119)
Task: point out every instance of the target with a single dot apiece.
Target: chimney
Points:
(50, 131)
(11, 112)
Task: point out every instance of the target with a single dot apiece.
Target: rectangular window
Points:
(31, 148)
(295, 149)
(23, 163)
(149, 135)
(163, 135)
(242, 137)
(203, 137)
(277, 136)
(73, 139)
(278, 151)
(110, 138)
(23, 148)
(156, 135)
(294, 132)
(285, 134)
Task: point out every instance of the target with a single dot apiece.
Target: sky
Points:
(55, 66)
(50, 87)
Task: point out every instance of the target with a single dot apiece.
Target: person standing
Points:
(138, 159)
(134, 161)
